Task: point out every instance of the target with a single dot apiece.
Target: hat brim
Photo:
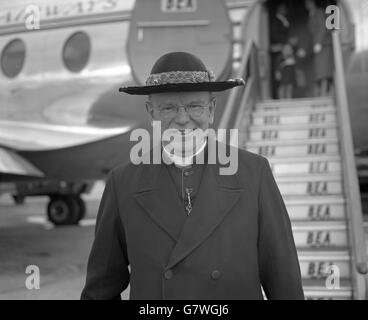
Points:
(180, 87)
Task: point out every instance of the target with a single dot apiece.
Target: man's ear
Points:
(212, 108)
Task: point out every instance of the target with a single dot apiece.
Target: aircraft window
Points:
(76, 51)
(12, 58)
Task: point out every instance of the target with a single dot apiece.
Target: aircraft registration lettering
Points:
(318, 269)
(319, 238)
(266, 150)
(318, 167)
(317, 117)
(317, 148)
(270, 134)
(317, 187)
(62, 10)
(271, 120)
(178, 5)
(317, 133)
(319, 212)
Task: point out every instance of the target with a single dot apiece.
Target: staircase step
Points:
(305, 165)
(318, 234)
(315, 208)
(294, 112)
(294, 142)
(300, 139)
(292, 148)
(309, 178)
(302, 157)
(309, 187)
(314, 289)
(295, 108)
(314, 200)
(297, 101)
(268, 118)
(286, 132)
(323, 263)
(291, 127)
(309, 158)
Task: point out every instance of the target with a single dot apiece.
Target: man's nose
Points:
(182, 116)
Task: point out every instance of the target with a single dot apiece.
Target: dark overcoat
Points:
(323, 61)
(237, 237)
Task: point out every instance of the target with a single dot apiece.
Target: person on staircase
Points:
(279, 36)
(322, 49)
(285, 73)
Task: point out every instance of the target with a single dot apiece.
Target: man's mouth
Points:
(186, 131)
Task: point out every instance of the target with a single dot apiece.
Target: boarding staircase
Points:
(308, 144)
(300, 140)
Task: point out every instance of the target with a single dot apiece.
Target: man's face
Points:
(163, 106)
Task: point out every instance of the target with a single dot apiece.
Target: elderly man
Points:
(185, 230)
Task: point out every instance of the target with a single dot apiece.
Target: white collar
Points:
(182, 161)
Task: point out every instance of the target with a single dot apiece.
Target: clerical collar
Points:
(183, 162)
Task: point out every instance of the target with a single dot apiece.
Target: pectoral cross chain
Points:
(188, 207)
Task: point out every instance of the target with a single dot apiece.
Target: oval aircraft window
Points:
(76, 51)
(12, 58)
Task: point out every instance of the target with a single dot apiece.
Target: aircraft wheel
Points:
(81, 208)
(63, 210)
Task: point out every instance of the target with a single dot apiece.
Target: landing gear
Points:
(18, 199)
(65, 209)
(81, 207)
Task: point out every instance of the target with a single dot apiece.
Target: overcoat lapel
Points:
(217, 196)
(158, 196)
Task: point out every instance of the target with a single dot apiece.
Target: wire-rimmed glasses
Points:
(194, 110)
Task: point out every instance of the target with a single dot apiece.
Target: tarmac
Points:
(60, 253)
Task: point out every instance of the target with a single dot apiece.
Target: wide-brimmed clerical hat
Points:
(181, 71)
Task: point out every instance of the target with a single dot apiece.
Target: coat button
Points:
(168, 274)
(215, 274)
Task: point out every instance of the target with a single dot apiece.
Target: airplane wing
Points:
(11, 164)
(18, 135)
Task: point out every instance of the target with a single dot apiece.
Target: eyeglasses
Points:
(194, 110)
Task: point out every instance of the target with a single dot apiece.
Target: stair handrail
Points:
(350, 177)
(235, 93)
(236, 102)
(251, 95)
